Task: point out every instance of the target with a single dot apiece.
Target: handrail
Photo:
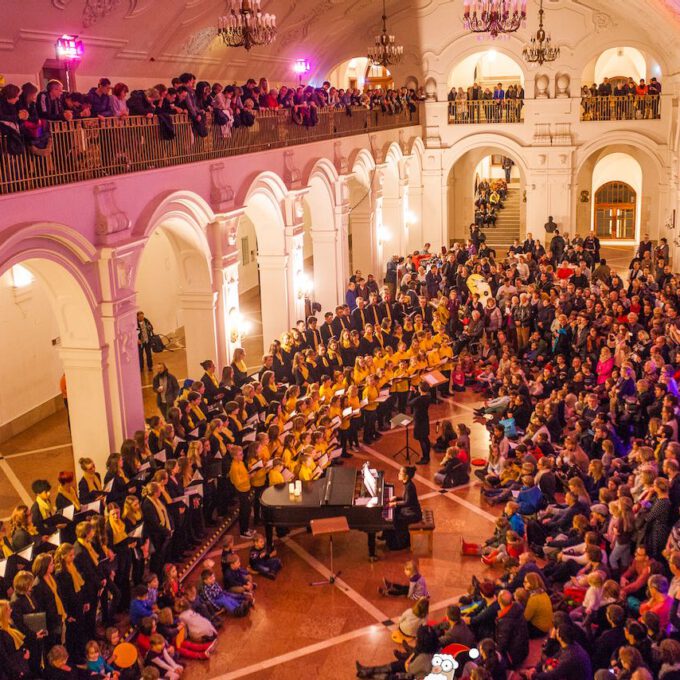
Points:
(92, 148)
(627, 107)
(485, 111)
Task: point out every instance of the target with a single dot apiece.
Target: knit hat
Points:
(600, 509)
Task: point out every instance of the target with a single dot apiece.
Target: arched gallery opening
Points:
(49, 332)
(359, 73)
(620, 63)
(175, 293)
(486, 186)
(618, 194)
(487, 68)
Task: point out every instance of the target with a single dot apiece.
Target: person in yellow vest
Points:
(307, 469)
(344, 429)
(240, 479)
(258, 456)
(276, 473)
(354, 402)
(370, 395)
(401, 384)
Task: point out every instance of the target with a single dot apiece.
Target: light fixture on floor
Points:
(540, 50)
(246, 25)
(239, 326)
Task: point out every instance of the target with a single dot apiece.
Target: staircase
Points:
(507, 222)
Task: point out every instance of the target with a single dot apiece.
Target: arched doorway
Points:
(615, 211)
(486, 68)
(174, 290)
(366, 235)
(475, 169)
(50, 330)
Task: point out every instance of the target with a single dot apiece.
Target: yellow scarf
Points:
(16, 635)
(78, 580)
(236, 422)
(118, 527)
(166, 496)
(70, 494)
(241, 365)
(213, 379)
(91, 551)
(197, 411)
(7, 547)
(220, 441)
(261, 399)
(45, 507)
(161, 510)
(49, 580)
(93, 481)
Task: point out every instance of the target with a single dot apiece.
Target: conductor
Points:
(420, 403)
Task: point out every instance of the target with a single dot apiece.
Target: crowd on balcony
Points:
(621, 99)
(25, 112)
(484, 105)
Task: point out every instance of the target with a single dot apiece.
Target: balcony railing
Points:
(630, 107)
(89, 149)
(485, 111)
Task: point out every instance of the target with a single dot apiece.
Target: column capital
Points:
(82, 357)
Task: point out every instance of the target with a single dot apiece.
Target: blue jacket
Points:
(517, 524)
(138, 610)
(499, 95)
(100, 103)
(529, 500)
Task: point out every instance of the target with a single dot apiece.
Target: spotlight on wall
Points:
(239, 326)
(411, 218)
(21, 277)
(70, 51)
(301, 67)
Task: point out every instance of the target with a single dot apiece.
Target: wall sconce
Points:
(585, 196)
(239, 326)
(384, 235)
(303, 285)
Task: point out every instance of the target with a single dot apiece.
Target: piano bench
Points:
(425, 526)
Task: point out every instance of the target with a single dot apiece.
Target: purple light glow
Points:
(70, 48)
(301, 66)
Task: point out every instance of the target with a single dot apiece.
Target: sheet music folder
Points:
(401, 420)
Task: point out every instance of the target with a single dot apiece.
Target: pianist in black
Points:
(406, 511)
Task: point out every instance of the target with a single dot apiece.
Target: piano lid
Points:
(339, 486)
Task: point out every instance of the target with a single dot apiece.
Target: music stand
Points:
(330, 526)
(402, 420)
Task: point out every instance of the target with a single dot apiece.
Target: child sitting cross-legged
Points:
(140, 606)
(96, 663)
(199, 628)
(512, 547)
(213, 593)
(237, 580)
(159, 655)
(414, 589)
(262, 561)
(199, 606)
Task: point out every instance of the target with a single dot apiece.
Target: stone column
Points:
(118, 309)
(97, 413)
(275, 295)
(435, 213)
(198, 313)
(325, 243)
(222, 239)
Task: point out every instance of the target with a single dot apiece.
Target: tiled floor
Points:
(298, 631)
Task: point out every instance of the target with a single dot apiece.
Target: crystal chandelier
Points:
(245, 25)
(385, 52)
(494, 16)
(540, 49)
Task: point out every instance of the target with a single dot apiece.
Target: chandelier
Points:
(245, 25)
(385, 52)
(540, 49)
(494, 16)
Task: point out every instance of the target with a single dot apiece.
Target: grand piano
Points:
(359, 495)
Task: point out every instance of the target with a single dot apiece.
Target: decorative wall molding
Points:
(221, 192)
(89, 40)
(111, 222)
(291, 174)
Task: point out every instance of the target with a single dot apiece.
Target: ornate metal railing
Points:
(467, 112)
(630, 107)
(89, 149)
